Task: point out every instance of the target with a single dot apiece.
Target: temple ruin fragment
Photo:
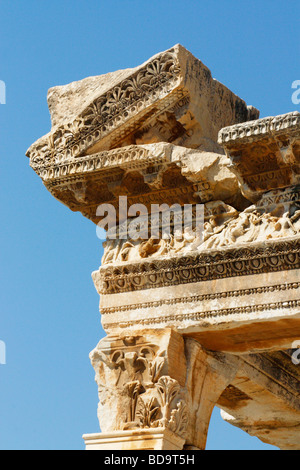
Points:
(192, 321)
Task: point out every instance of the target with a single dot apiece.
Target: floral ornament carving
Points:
(175, 417)
(165, 407)
(105, 113)
(150, 398)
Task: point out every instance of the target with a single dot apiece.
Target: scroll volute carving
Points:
(159, 380)
(141, 382)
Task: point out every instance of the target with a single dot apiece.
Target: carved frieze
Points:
(258, 258)
(275, 216)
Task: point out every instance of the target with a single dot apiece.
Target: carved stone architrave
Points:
(251, 289)
(194, 318)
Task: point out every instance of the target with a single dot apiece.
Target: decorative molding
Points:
(264, 153)
(196, 316)
(219, 264)
(132, 157)
(201, 298)
(129, 103)
(271, 199)
(254, 130)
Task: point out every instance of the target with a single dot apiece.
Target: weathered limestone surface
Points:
(171, 98)
(263, 399)
(265, 153)
(194, 318)
(157, 379)
(145, 439)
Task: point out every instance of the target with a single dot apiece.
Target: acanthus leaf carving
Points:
(103, 115)
(134, 380)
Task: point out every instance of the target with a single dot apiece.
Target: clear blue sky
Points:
(49, 316)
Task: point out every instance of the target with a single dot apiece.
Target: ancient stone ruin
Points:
(194, 318)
